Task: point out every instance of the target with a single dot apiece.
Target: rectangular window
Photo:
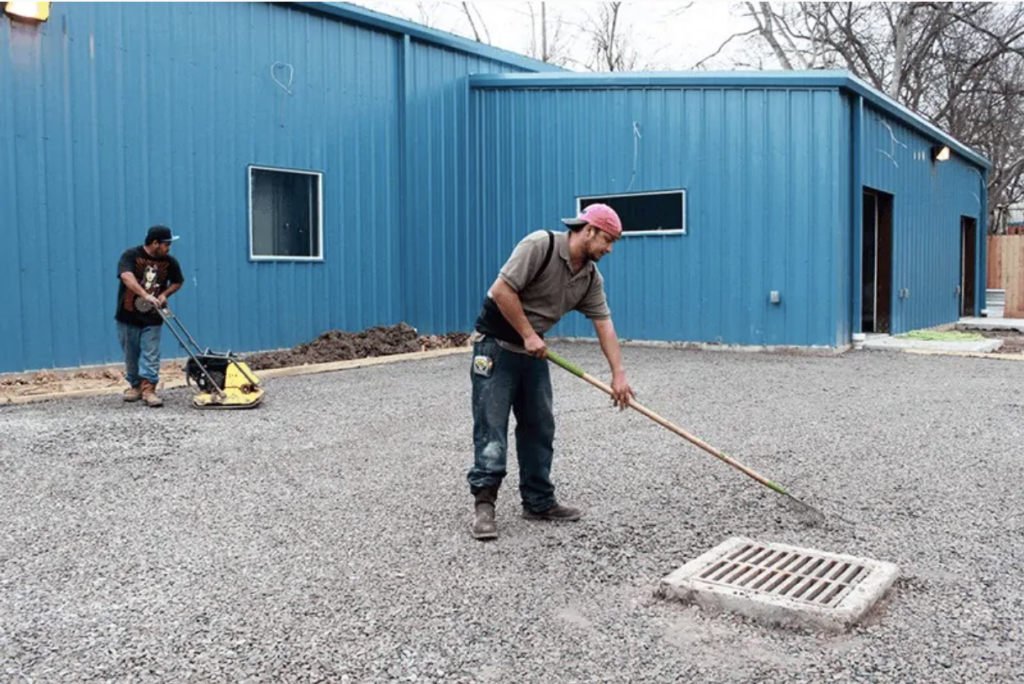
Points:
(646, 213)
(285, 214)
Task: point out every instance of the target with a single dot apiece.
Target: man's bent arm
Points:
(171, 289)
(610, 345)
(511, 308)
(129, 280)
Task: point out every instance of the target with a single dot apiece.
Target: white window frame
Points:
(627, 233)
(320, 213)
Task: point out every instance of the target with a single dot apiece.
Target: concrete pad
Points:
(1016, 324)
(887, 343)
(783, 584)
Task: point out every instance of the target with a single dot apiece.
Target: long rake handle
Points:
(579, 372)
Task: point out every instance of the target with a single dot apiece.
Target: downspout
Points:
(857, 215)
(981, 272)
(404, 181)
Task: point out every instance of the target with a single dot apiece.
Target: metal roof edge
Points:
(639, 79)
(772, 79)
(385, 22)
(890, 106)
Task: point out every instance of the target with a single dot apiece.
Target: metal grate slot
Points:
(752, 576)
(822, 586)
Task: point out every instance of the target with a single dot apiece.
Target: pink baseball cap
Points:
(601, 216)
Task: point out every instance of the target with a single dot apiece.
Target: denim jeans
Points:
(141, 352)
(522, 384)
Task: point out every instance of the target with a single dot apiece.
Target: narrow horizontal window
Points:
(646, 213)
(285, 214)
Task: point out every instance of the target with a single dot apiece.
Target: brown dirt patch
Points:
(334, 345)
(1013, 341)
(337, 345)
(80, 380)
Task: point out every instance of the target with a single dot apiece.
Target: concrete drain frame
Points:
(782, 584)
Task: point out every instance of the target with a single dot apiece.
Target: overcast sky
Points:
(667, 35)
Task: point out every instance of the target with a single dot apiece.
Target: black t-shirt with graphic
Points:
(155, 274)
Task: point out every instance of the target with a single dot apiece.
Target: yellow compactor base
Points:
(239, 390)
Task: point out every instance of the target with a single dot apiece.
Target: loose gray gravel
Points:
(324, 536)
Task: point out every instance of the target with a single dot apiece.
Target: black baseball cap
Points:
(160, 234)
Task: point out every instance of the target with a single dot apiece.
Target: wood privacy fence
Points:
(1006, 271)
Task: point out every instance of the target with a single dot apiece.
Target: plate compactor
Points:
(222, 380)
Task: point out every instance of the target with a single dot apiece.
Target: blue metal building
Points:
(775, 169)
(330, 167)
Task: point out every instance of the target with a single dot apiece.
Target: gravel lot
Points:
(324, 536)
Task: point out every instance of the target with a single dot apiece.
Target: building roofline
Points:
(843, 80)
(390, 24)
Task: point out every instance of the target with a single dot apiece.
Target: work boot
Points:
(484, 526)
(556, 512)
(150, 396)
(133, 393)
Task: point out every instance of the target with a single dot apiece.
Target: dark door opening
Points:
(876, 266)
(968, 247)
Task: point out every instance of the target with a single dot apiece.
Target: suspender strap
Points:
(492, 322)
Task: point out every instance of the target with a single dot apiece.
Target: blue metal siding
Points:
(116, 116)
(928, 201)
(438, 233)
(762, 173)
(844, 244)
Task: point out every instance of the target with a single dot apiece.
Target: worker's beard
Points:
(594, 252)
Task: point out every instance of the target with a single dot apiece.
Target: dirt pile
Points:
(46, 382)
(334, 345)
(449, 341)
(337, 345)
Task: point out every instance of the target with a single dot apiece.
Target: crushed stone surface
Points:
(325, 535)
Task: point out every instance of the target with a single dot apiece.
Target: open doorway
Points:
(968, 275)
(876, 271)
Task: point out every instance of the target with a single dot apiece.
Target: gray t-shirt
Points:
(556, 291)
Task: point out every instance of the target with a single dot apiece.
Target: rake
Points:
(580, 373)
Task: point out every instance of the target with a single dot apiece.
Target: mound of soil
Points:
(337, 345)
(449, 341)
(331, 346)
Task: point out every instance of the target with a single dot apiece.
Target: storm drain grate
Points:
(782, 583)
(799, 575)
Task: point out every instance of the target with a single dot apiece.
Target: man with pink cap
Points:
(548, 275)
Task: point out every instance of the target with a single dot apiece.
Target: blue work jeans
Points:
(502, 381)
(141, 352)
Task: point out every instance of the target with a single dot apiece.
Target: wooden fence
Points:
(1006, 271)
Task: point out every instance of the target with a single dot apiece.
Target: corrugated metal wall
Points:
(438, 231)
(928, 201)
(762, 168)
(844, 256)
(116, 116)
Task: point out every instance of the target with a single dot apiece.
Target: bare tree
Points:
(470, 9)
(547, 34)
(610, 41)
(426, 13)
(959, 64)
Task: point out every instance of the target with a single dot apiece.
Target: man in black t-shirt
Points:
(148, 275)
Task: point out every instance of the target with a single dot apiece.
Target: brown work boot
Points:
(556, 512)
(150, 396)
(133, 393)
(484, 526)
